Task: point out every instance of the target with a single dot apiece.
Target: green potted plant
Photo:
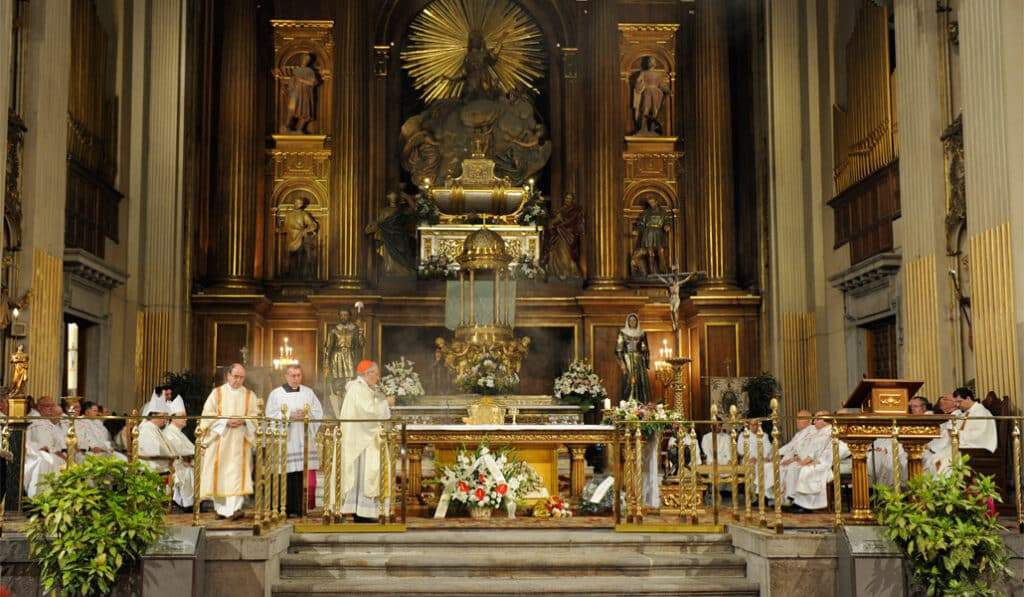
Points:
(946, 528)
(91, 520)
(760, 390)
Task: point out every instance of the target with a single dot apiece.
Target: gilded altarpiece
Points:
(300, 157)
(648, 80)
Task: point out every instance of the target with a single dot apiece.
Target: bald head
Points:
(235, 376)
(820, 422)
(803, 419)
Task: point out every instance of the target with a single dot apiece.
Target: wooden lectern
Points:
(883, 404)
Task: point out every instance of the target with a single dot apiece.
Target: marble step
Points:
(586, 585)
(489, 541)
(514, 564)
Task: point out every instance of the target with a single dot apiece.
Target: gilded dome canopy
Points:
(483, 249)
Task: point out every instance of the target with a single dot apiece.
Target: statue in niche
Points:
(393, 231)
(300, 230)
(300, 90)
(343, 349)
(478, 80)
(649, 93)
(562, 240)
(651, 230)
(634, 356)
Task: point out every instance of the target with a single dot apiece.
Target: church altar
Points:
(450, 409)
(536, 444)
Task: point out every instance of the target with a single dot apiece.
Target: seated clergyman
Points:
(805, 478)
(44, 445)
(165, 458)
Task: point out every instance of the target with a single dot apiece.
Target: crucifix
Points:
(673, 282)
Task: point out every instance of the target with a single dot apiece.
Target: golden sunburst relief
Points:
(472, 48)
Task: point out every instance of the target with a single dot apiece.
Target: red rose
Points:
(463, 487)
(480, 494)
(501, 489)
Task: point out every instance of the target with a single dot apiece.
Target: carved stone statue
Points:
(300, 90)
(477, 75)
(634, 355)
(649, 93)
(392, 232)
(651, 230)
(301, 230)
(343, 349)
(562, 240)
(19, 374)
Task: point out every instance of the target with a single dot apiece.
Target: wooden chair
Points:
(995, 464)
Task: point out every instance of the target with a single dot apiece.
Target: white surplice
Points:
(360, 479)
(44, 441)
(297, 401)
(747, 439)
(976, 434)
(880, 470)
(811, 488)
(227, 461)
(724, 448)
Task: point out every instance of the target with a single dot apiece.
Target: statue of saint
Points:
(477, 68)
(634, 357)
(649, 94)
(673, 282)
(651, 228)
(300, 229)
(343, 349)
(19, 374)
(562, 240)
(392, 231)
(300, 89)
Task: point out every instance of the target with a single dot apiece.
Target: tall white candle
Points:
(607, 404)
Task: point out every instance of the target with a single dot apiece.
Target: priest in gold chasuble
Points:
(634, 357)
(229, 440)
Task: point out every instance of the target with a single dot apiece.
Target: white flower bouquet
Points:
(484, 480)
(580, 385)
(650, 417)
(488, 376)
(525, 268)
(401, 380)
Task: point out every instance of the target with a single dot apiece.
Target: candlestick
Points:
(607, 404)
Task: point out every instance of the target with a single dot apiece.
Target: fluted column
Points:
(239, 149)
(716, 213)
(991, 35)
(348, 208)
(930, 336)
(606, 146)
(44, 187)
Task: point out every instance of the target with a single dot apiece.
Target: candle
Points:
(607, 404)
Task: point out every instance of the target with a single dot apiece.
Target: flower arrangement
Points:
(534, 212)
(489, 375)
(485, 481)
(401, 379)
(437, 267)
(650, 417)
(580, 385)
(553, 507)
(525, 268)
(426, 210)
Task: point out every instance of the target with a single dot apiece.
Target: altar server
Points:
(45, 445)
(805, 480)
(299, 400)
(880, 469)
(361, 413)
(227, 461)
(748, 439)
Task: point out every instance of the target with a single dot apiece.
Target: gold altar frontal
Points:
(536, 444)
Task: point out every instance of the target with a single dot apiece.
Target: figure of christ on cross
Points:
(673, 282)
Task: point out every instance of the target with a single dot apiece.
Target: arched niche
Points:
(634, 204)
(283, 202)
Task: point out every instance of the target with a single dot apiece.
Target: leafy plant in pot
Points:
(950, 539)
(760, 390)
(92, 520)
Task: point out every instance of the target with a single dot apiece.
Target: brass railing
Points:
(699, 487)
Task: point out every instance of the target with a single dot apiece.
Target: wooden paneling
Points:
(722, 349)
(416, 343)
(865, 212)
(605, 364)
(229, 338)
(551, 351)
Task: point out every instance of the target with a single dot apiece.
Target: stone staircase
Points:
(512, 562)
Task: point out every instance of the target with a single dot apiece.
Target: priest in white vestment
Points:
(153, 449)
(229, 441)
(707, 445)
(880, 469)
(936, 450)
(298, 400)
(44, 445)
(361, 412)
(93, 437)
(748, 440)
(163, 400)
(805, 479)
(974, 431)
(183, 451)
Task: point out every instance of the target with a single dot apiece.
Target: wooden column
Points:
(716, 214)
(577, 471)
(415, 475)
(603, 227)
(860, 508)
(347, 256)
(239, 150)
